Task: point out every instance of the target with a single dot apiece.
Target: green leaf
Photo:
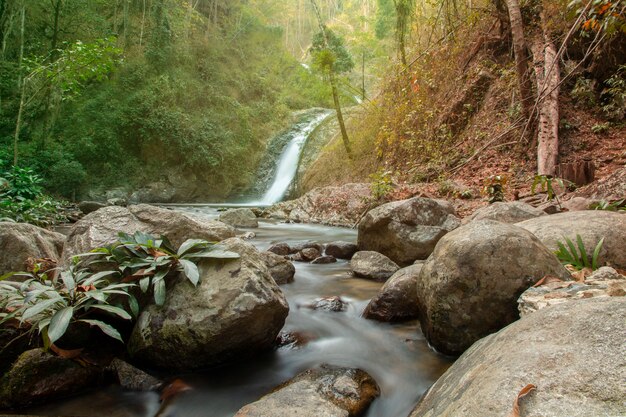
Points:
(40, 307)
(573, 251)
(106, 328)
(68, 281)
(191, 271)
(59, 322)
(190, 244)
(596, 253)
(95, 277)
(133, 304)
(159, 292)
(144, 283)
(583, 252)
(112, 309)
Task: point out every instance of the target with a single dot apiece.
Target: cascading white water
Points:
(287, 164)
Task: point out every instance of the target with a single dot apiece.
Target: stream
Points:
(397, 356)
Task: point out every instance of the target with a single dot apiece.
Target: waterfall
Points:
(287, 162)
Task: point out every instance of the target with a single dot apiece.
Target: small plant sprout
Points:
(576, 254)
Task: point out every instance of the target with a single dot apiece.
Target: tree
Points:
(332, 58)
(520, 50)
(404, 13)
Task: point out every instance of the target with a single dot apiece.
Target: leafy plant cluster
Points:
(101, 285)
(381, 185)
(22, 200)
(576, 254)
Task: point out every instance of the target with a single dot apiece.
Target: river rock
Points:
(591, 225)
(282, 249)
(469, 287)
(132, 378)
(101, 227)
(341, 250)
(333, 304)
(236, 310)
(37, 377)
(372, 265)
(322, 392)
(573, 353)
(280, 268)
(322, 260)
(296, 247)
(509, 212)
(240, 217)
(397, 299)
(309, 254)
(605, 282)
(406, 230)
(20, 241)
(90, 206)
(334, 205)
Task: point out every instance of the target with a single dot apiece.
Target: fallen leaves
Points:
(524, 392)
(66, 354)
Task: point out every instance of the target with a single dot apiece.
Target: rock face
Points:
(132, 378)
(280, 268)
(510, 212)
(322, 392)
(20, 241)
(397, 299)
(372, 265)
(337, 206)
(90, 206)
(406, 230)
(577, 364)
(240, 217)
(469, 287)
(605, 282)
(236, 310)
(591, 225)
(37, 376)
(341, 250)
(101, 227)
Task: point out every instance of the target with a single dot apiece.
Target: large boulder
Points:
(341, 250)
(397, 299)
(239, 217)
(322, 392)
(573, 353)
(372, 265)
(591, 225)
(509, 212)
(101, 227)
(38, 376)
(236, 310)
(469, 287)
(406, 230)
(20, 241)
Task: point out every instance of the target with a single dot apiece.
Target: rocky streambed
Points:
(328, 321)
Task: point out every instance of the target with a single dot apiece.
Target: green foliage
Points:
(576, 255)
(385, 18)
(600, 128)
(335, 58)
(546, 185)
(20, 184)
(604, 15)
(609, 206)
(381, 184)
(614, 95)
(50, 304)
(150, 260)
(43, 211)
(494, 187)
(583, 92)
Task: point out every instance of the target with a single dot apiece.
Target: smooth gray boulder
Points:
(341, 250)
(397, 299)
(235, 311)
(20, 241)
(322, 392)
(591, 225)
(469, 287)
(90, 206)
(573, 353)
(372, 265)
(101, 227)
(406, 230)
(506, 212)
(239, 217)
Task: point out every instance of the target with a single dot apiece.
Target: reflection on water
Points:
(397, 356)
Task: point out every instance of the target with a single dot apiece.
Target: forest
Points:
(355, 208)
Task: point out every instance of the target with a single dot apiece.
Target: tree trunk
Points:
(20, 83)
(548, 79)
(333, 85)
(521, 57)
(143, 22)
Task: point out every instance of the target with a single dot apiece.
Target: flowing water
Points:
(397, 356)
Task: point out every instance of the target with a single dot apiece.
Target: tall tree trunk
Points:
(333, 85)
(143, 22)
(521, 57)
(21, 85)
(548, 78)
